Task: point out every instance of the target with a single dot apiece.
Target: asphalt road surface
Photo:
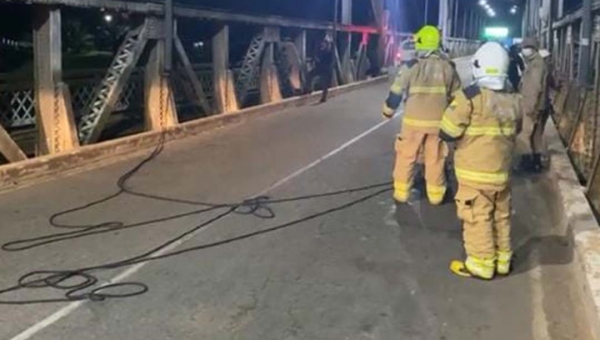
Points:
(347, 265)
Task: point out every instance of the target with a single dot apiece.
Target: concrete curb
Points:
(39, 169)
(579, 222)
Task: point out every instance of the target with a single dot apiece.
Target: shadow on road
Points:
(536, 239)
(550, 250)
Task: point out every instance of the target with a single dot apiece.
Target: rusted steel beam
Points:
(160, 111)
(225, 97)
(156, 8)
(9, 149)
(54, 112)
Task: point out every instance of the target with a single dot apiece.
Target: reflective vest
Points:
(484, 124)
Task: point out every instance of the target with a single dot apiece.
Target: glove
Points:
(388, 113)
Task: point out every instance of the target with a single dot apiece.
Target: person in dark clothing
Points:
(515, 67)
(323, 68)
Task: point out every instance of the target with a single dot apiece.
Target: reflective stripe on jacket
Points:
(428, 84)
(484, 124)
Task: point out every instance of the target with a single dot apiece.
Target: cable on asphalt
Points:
(81, 284)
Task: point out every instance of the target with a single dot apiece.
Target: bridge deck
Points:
(373, 270)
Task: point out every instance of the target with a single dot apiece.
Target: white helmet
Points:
(490, 66)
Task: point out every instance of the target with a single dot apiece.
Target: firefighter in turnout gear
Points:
(484, 121)
(534, 89)
(427, 83)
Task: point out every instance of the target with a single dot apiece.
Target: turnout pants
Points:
(533, 128)
(485, 215)
(409, 145)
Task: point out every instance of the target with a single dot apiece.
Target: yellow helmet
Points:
(427, 38)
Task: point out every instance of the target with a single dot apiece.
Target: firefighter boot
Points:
(527, 163)
(503, 263)
(473, 267)
(401, 192)
(537, 166)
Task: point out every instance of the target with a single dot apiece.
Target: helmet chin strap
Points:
(425, 54)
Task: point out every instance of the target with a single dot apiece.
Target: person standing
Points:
(428, 83)
(323, 68)
(515, 67)
(483, 121)
(535, 103)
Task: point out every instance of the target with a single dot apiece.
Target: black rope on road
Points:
(80, 284)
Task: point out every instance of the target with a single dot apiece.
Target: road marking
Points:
(325, 157)
(68, 309)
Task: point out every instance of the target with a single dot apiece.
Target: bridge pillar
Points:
(347, 12)
(383, 39)
(585, 43)
(443, 19)
(225, 96)
(293, 75)
(56, 125)
(362, 61)
(301, 46)
(159, 109)
(269, 80)
(347, 74)
(300, 43)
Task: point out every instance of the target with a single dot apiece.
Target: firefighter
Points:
(535, 103)
(428, 83)
(483, 121)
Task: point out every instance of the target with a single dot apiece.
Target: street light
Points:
(108, 18)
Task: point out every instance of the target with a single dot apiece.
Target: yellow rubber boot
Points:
(503, 264)
(472, 267)
(401, 192)
(436, 194)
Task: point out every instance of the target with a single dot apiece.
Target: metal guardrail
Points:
(576, 110)
(459, 47)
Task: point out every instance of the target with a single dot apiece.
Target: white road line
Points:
(329, 155)
(68, 309)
